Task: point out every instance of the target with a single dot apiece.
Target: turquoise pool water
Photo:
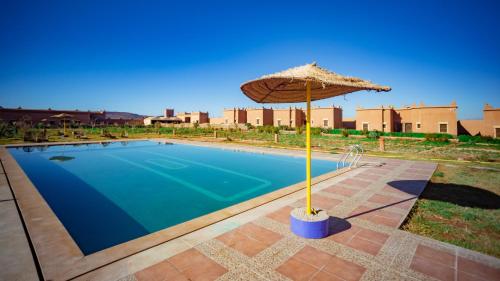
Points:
(110, 193)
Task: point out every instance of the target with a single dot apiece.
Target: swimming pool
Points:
(106, 194)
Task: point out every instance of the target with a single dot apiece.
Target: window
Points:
(497, 132)
(365, 126)
(279, 122)
(325, 122)
(225, 121)
(418, 125)
(257, 121)
(443, 127)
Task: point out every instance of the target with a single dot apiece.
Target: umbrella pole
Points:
(308, 148)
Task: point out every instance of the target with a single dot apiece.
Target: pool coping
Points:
(59, 256)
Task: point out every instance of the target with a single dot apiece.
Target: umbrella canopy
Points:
(289, 86)
(62, 116)
(305, 84)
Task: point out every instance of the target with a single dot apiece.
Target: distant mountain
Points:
(123, 115)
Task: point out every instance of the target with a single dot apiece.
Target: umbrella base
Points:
(309, 226)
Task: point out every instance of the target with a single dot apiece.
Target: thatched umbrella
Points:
(305, 84)
(63, 117)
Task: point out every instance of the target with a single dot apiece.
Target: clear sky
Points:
(143, 56)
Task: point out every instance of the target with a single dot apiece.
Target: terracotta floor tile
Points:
(373, 236)
(356, 183)
(369, 176)
(313, 257)
(325, 276)
(261, 234)
(282, 215)
(162, 271)
(322, 202)
(186, 259)
(363, 245)
(346, 235)
(205, 271)
(196, 266)
(383, 199)
(242, 243)
(477, 269)
(344, 191)
(435, 255)
(382, 220)
(430, 268)
(296, 270)
(346, 270)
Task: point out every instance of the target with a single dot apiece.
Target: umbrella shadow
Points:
(458, 194)
(337, 225)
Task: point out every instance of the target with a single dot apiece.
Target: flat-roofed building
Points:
(326, 117)
(488, 126)
(235, 116)
(184, 116)
(260, 116)
(34, 116)
(199, 117)
(290, 117)
(380, 119)
(419, 119)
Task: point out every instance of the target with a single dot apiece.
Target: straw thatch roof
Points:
(62, 116)
(290, 85)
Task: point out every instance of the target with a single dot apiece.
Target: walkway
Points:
(367, 205)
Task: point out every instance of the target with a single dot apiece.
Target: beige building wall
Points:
(326, 117)
(428, 119)
(288, 117)
(216, 120)
(199, 117)
(260, 116)
(380, 119)
(418, 119)
(488, 126)
(235, 116)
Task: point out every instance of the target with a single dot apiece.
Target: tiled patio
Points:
(367, 207)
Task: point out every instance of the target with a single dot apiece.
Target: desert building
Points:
(199, 117)
(234, 116)
(326, 117)
(380, 119)
(260, 116)
(291, 117)
(35, 116)
(488, 126)
(419, 119)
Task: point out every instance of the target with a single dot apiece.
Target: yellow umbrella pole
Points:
(308, 148)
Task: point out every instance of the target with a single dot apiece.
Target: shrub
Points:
(373, 134)
(437, 137)
(345, 133)
(299, 130)
(316, 131)
(478, 139)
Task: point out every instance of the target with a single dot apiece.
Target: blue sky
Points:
(143, 56)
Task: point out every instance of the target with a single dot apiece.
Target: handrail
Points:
(355, 152)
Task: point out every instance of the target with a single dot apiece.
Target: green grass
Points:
(461, 206)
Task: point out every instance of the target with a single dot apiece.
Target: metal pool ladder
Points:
(355, 152)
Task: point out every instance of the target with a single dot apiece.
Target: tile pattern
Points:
(365, 243)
